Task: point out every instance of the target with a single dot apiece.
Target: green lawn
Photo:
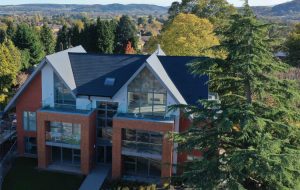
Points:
(25, 176)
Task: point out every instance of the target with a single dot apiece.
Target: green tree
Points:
(293, 45)
(126, 32)
(63, 39)
(10, 63)
(47, 39)
(27, 37)
(10, 31)
(2, 35)
(142, 20)
(89, 35)
(105, 36)
(189, 35)
(76, 33)
(217, 11)
(249, 139)
(174, 10)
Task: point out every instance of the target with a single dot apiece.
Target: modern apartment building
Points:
(79, 109)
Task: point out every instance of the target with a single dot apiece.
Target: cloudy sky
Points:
(157, 2)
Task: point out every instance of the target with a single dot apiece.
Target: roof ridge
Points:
(106, 54)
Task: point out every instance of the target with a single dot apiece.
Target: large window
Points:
(29, 121)
(62, 95)
(142, 141)
(146, 95)
(138, 166)
(65, 156)
(30, 145)
(105, 113)
(68, 133)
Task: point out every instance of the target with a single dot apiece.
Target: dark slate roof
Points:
(91, 70)
(191, 87)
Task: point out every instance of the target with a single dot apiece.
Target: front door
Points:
(104, 154)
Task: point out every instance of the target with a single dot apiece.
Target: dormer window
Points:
(109, 81)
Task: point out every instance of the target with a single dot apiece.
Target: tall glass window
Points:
(146, 95)
(29, 121)
(62, 95)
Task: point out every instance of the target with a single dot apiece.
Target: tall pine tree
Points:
(47, 39)
(126, 32)
(105, 36)
(249, 139)
(63, 39)
(27, 38)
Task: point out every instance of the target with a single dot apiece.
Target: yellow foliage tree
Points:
(10, 64)
(189, 35)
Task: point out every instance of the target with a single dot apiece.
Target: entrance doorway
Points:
(104, 154)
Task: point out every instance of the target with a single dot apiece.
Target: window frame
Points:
(139, 90)
(27, 121)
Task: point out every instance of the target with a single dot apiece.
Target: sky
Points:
(156, 2)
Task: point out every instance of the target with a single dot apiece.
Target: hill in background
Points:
(104, 10)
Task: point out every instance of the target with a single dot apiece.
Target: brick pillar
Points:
(167, 156)
(84, 146)
(88, 139)
(42, 151)
(116, 152)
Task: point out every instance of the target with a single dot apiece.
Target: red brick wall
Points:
(29, 100)
(167, 149)
(88, 137)
(184, 125)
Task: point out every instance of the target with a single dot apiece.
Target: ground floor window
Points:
(66, 156)
(144, 167)
(30, 145)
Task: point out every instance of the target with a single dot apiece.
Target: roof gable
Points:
(61, 63)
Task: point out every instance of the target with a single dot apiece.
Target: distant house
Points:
(79, 109)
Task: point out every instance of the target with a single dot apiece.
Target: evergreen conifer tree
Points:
(249, 139)
(126, 32)
(47, 39)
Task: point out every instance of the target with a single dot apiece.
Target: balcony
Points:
(152, 118)
(63, 135)
(7, 129)
(65, 108)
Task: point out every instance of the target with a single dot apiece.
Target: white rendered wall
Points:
(83, 103)
(47, 85)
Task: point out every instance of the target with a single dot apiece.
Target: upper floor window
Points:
(29, 121)
(146, 95)
(60, 132)
(62, 94)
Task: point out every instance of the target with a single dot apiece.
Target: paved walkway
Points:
(96, 178)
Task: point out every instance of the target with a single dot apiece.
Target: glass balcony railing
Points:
(57, 137)
(141, 147)
(145, 117)
(71, 108)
